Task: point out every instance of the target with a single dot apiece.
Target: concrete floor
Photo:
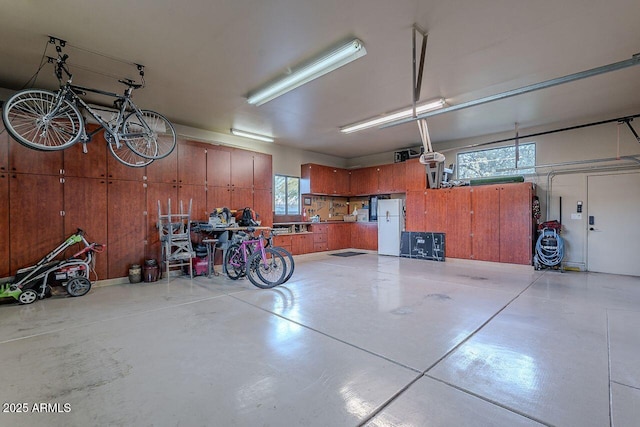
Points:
(371, 340)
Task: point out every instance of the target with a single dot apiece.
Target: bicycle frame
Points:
(244, 244)
(124, 103)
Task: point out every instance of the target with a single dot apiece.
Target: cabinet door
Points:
(364, 181)
(458, 228)
(35, 222)
(198, 196)
(4, 149)
(339, 236)
(263, 206)
(192, 163)
(92, 164)
(116, 170)
(262, 171)
(485, 223)
(241, 198)
(385, 178)
(302, 244)
(364, 236)
(241, 169)
(219, 167)
(415, 175)
(126, 225)
(26, 160)
(435, 216)
(516, 223)
(415, 211)
(321, 177)
(157, 192)
(85, 207)
(218, 197)
(164, 170)
(5, 269)
(340, 179)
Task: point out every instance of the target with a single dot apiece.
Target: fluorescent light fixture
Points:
(250, 135)
(311, 70)
(387, 118)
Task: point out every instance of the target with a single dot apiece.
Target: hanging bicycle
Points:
(50, 121)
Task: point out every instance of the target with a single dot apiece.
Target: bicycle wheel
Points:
(288, 259)
(267, 273)
(234, 262)
(124, 154)
(32, 119)
(149, 134)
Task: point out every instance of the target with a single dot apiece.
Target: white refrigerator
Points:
(390, 226)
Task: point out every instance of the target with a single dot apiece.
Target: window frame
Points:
(530, 170)
(286, 192)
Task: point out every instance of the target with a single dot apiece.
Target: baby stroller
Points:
(35, 282)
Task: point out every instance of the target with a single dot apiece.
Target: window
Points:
(499, 161)
(287, 195)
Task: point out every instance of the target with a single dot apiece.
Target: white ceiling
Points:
(202, 57)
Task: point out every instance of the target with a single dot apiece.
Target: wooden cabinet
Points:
(364, 236)
(339, 236)
(4, 149)
(415, 211)
(241, 198)
(241, 168)
(125, 225)
(415, 175)
(391, 178)
(192, 163)
(263, 206)
(488, 223)
(301, 243)
(218, 197)
(5, 268)
(28, 161)
(320, 237)
(283, 240)
(364, 181)
(435, 212)
(35, 224)
(198, 196)
(319, 179)
(92, 164)
(458, 222)
(164, 170)
(262, 171)
(219, 167)
(485, 224)
(85, 207)
(502, 224)
(516, 223)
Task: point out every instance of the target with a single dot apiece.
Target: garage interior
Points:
(483, 338)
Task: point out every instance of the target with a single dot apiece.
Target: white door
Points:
(613, 223)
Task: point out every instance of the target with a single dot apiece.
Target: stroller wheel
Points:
(27, 296)
(78, 286)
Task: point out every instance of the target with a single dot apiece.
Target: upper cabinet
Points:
(192, 163)
(319, 179)
(415, 175)
(262, 171)
(364, 181)
(241, 168)
(391, 178)
(219, 166)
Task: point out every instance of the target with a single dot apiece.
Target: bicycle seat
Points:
(131, 83)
